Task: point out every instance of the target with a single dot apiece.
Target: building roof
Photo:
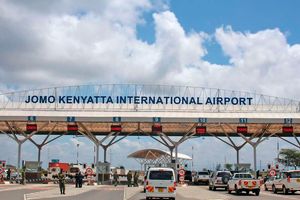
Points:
(153, 154)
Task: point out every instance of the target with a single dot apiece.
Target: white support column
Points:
(19, 159)
(96, 164)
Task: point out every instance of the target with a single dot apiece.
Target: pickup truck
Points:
(240, 182)
(286, 182)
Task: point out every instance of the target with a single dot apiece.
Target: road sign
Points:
(181, 178)
(272, 172)
(181, 172)
(89, 171)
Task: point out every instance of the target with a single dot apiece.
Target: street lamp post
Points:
(77, 152)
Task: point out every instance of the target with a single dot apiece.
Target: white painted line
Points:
(280, 195)
(124, 195)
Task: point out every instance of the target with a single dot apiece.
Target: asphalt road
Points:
(202, 193)
(98, 194)
(117, 193)
(15, 194)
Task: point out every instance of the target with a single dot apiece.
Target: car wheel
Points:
(274, 189)
(236, 190)
(257, 193)
(228, 190)
(266, 189)
(284, 190)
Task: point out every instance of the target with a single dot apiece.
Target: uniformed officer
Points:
(116, 177)
(62, 182)
(129, 178)
(135, 179)
(23, 175)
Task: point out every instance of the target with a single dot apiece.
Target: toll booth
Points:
(103, 171)
(32, 169)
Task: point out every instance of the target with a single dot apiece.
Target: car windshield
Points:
(294, 174)
(243, 176)
(161, 175)
(222, 174)
(74, 170)
(202, 173)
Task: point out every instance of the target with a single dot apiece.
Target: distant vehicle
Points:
(188, 176)
(55, 167)
(219, 179)
(202, 177)
(161, 183)
(287, 182)
(243, 182)
(269, 183)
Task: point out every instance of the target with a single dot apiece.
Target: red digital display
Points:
(242, 129)
(72, 127)
(201, 130)
(115, 128)
(287, 129)
(31, 127)
(156, 128)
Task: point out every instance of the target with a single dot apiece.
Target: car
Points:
(202, 177)
(161, 183)
(188, 176)
(269, 183)
(219, 179)
(286, 182)
(243, 182)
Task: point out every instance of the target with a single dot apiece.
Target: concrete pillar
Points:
(176, 162)
(105, 153)
(237, 157)
(254, 161)
(19, 159)
(39, 156)
(96, 164)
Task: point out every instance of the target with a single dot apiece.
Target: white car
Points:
(287, 182)
(219, 179)
(202, 177)
(269, 183)
(160, 183)
(243, 182)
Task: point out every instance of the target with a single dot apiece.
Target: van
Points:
(161, 183)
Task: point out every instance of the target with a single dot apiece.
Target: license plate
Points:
(160, 189)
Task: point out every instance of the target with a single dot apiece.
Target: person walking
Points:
(8, 174)
(135, 179)
(80, 179)
(116, 177)
(23, 175)
(77, 180)
(62, 182)
(129, 178)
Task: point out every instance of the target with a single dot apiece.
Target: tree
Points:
(289, 157)
(228, 166)
(218, 167)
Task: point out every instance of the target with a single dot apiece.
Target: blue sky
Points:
(241, 15)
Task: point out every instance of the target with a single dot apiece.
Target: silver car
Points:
(219, 179)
